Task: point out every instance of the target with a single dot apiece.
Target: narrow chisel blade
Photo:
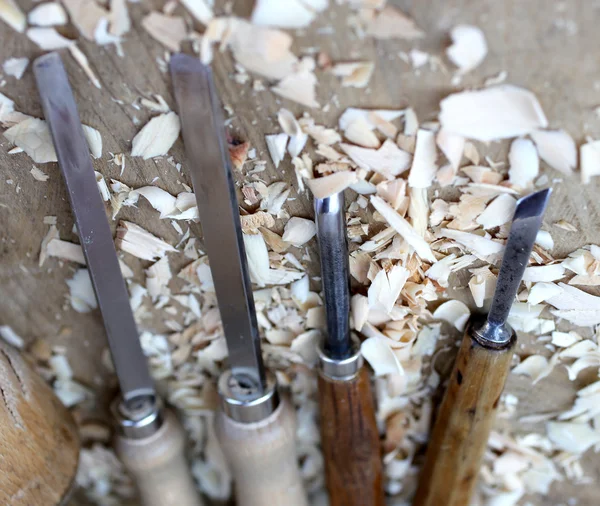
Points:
(94, 232)
(335, 274)
(210, 167)
(523, 231)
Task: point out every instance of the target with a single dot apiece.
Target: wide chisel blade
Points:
(210, 167)
(94, 232)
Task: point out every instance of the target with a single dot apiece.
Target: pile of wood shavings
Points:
(426, 202)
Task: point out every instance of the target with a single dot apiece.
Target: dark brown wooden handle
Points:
(350, 439)
(463, 424)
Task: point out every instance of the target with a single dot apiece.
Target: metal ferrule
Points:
(245, 405)
(493, 336)
(340, 369)
(139, 418)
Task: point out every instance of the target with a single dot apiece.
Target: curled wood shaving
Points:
(157, 136)
(49, 39)
(47, 14)
(557, 149)
(423, 167)
(524, 163)
(454, 312)
(140, 243)
(327, 186)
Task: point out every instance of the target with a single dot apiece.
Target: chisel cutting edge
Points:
(256, 427)
(349, 434)
(150, 441)
(468, 410)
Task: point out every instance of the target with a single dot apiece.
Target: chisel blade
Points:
(526, 224)
(94, 232)
(210, 167)
(335, 274)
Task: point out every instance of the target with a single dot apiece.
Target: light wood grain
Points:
(159, 466)
(463, 425)
(39, 447)
(350, 440)
(262, 458)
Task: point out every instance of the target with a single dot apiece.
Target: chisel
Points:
(468, 409)
(349, 434)
(39, 446)
(256, 426)
(150, 441)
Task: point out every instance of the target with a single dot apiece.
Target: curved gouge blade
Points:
(349, 433)
(467, 413)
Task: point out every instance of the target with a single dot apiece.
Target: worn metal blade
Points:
(335, 274)
(523, 231)
(95, 236)
(210, 167)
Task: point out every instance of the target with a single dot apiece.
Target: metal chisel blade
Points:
(95, 236)
(523, 231)
(335, 274)
(210, 167)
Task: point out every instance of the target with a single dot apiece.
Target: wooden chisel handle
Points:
(159, 466)
(463, 424)
(262, 458)
(39, 446)
(350, 440)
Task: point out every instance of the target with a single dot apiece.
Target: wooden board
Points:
(525, 39)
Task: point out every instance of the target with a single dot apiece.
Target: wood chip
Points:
(468, 49)
(590, 161)
(424, 165)
(557, 149)
(299, 231)
(452, 146)
(157, 136)
(327, 186)
(12, 15)
(404, 229)
(140, 243)
(298, 87)
(81, 292)
(454, 312)
(498, 212)
(524, 163)
(498, 112)
(48, 39)
(170, 31)
(200, 9)
(85, 15)
(380, 356)
(292, 14)
(15, 67)
(47, 14)
(356, 75)
(276, 144)
(389, 160)
(392, 23)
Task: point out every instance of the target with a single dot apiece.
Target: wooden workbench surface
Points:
(557, 60)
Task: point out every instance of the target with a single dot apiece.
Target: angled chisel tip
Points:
(533, 205)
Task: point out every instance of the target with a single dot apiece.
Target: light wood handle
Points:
(159, 466)
(463, 424)
(39, 447)
(262, 458)
(350, 440)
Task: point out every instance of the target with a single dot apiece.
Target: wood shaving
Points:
(294, 14)
(276, 144)
(48, 39)
(200, 9)
(482, 285)
(298, 87)
(291, 127)
(327, 186)
(452, 146)
(380, 356)
(170, 31)
(140, 243)
(11, 337)
(524, 163)
(424, 165)
(252, 222)
(542, 291)
(81, 292)
(12, 15)
(498, 212)
(389, 160)
(482, 247)
(47, 14)
(544, 273)
(590, 161)
(404, 229)
(391, 23)
(120, 22)
(497, 112)
(157, 136)
(15, 67)
(454, 312)
(468, 49)
(356, 75)
(39, 175)
(299, 231)
(557, 149)
(239, 154)
(85, 15)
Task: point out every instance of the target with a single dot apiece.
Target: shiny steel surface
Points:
(525, 226)
(94, 232)
(335, 274)
(140, 422)
(343, 369)
(210, 168)
(243, 405)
